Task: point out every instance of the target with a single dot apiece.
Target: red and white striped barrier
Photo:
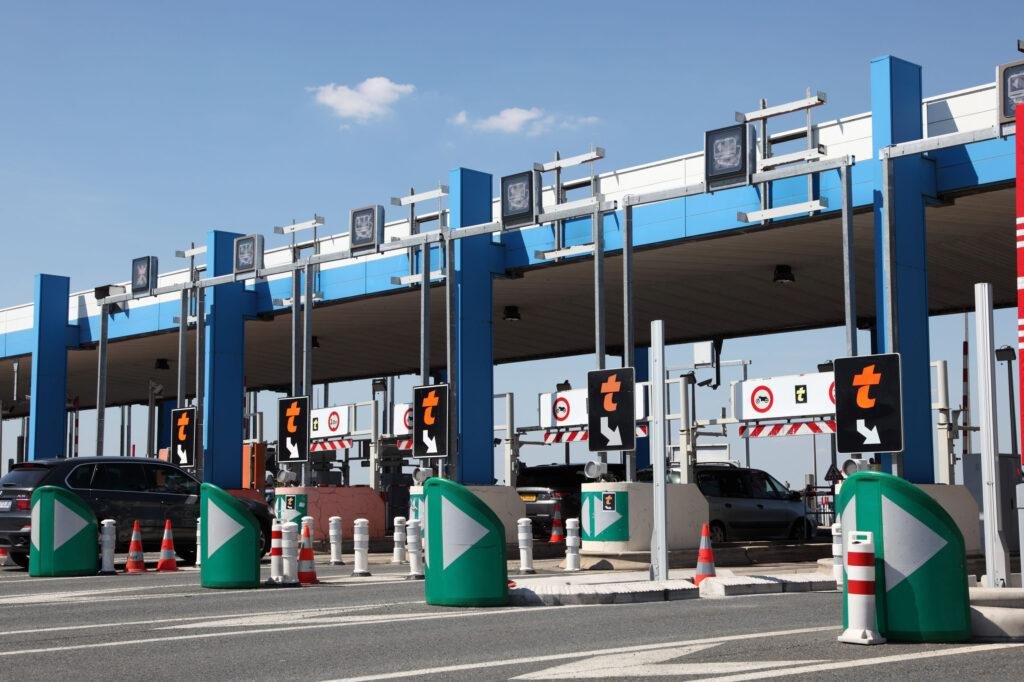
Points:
(405, 444)
(1020, 255)
(788, 429)
(327, 445)
(276, 553)
(580, 435)
(860, 590)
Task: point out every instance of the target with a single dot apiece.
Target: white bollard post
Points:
(290, 554)
(398, 555)
(415, 540)
(276, 553)
(361, 548)
(307, 521)
(199, 542)
(837, 554)
(526, 546)
(572, 545)
(334, 532)
(860, 591)
(108, 538)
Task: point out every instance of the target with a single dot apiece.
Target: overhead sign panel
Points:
(328, 422)
(293, 429)
(611, 409)
(784, 397)
(366, 228)
(430, 421)
(401, 422)
(183, 436)
(248, 256)
(869, 405)
(1010, 84)
(726, 159)
(518, 200)
(568, 409)
(144, 275)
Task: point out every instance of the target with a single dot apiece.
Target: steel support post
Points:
(200, 299)
(888, 266)
(182, 348)
(511, 449)
(657, 436)
(687, 435)
(101, 380)
(151, 422)
(997, 560)
(451, 362)
(628, 335)
(296, 330)
(849, 274)
(424, 313)
(1013, 409)
(599, 328)
(374, 447)
(307, 350)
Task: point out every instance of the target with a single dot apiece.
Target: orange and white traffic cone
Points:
(168, 562)
(307, 567)
(705, 557)
(136, 560)
(557, 529)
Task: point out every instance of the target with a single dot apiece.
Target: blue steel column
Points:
(896, 117)
(470, 204)
(643, 445)
(225, 383)
(47, 407)
(163, 421)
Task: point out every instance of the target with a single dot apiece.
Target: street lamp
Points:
(1006, 354)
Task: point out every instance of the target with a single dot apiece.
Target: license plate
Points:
(5, 505)
(525, 497)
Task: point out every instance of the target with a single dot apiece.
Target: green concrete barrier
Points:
(230, 541)
(65, 535)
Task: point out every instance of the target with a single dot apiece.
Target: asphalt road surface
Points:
(164, 626)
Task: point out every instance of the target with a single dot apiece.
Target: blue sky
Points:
(130, 128)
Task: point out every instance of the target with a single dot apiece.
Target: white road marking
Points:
(42, 597)
(651, 663)
(289, 629)
(160, 621)
(582, 654)
(877, 660)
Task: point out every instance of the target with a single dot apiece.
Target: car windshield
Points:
(24, 477)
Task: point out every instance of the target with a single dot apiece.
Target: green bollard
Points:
(465, 544)
(921, 592)
(64, 534)
(230, 541)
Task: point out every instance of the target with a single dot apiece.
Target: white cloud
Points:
(516, 120)
(366, 101)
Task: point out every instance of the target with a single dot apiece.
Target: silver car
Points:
(749, 504)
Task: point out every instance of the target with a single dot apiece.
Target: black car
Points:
(541, 486)
(119, 488)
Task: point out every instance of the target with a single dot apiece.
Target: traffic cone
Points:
(167, 562)
(705, 557)
(557, 529)
(307, 568)
(136, 561)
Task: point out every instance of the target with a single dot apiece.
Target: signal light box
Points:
(366, 228)
(518, 200)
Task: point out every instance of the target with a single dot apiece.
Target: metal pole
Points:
(182, 348)
(659, 536)
(888, 257)
(627, 316)
(599, 330)
(450, 359)
(997, 560)
(307, 351)
(121, 450)
(511, 451)
(424, 303)
(1013, 409)
(296, 328)
(151, 422)
(687, 437)
(849, 275)
(374, 447)
(101, 381)
(128, 431)
(200, 380)
(746, 441)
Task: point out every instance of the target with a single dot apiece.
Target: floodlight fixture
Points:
(826, 366)
(162, 364)
(783, 275)
(144, 275)
(511, 314)
(366, 228)
(248, 254)
(1005, 354)
(563, 386)
(520, 199)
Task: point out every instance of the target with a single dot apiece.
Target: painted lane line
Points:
(403, 618)
(878, 660)
(182, 619)
(583, 654)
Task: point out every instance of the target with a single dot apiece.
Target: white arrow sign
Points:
(652, 663)
(611, 436)
(431, 443)
(597, 520)
(66, 524)
(182, 455)
(909, 544)
(459, 531)
(870, 435)
(293, 448)
(219, 529)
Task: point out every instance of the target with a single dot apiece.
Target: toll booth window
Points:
(128, 477)
(81, 477)
(168, 480)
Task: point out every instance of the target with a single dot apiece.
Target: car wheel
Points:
(264, 542)
(717, 531)
(19, 559)
(188, 556)
(800, 532)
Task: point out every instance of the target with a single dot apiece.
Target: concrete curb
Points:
(734, 586)
(997, 624)
(565, 594)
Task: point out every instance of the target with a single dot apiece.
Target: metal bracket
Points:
(578, 250)
(781, 211)
(435, 275)
(780, 109)
(578, 160)
(812, 154)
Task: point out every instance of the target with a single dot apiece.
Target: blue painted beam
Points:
(48, 402)
(470, 204)
(896, 117)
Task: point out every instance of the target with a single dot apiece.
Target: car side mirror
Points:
(795, 496)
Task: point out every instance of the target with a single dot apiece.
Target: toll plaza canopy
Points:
(697, 264)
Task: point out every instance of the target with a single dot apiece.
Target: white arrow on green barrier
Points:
(35, 525)
(908, 543)
(460, 532)
(219, 528)
(66, 524)
(597, 521)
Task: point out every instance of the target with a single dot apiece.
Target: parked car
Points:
(119, 488)
(541, 486)
(748, 504)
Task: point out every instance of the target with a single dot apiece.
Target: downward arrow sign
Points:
(612, 436)
(431, 443)
(182, 455)
(293, 448)
(870, 435)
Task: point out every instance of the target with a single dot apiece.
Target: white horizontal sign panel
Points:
(401, 423)
(328, 422)
(569, 408)
(793, 395)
